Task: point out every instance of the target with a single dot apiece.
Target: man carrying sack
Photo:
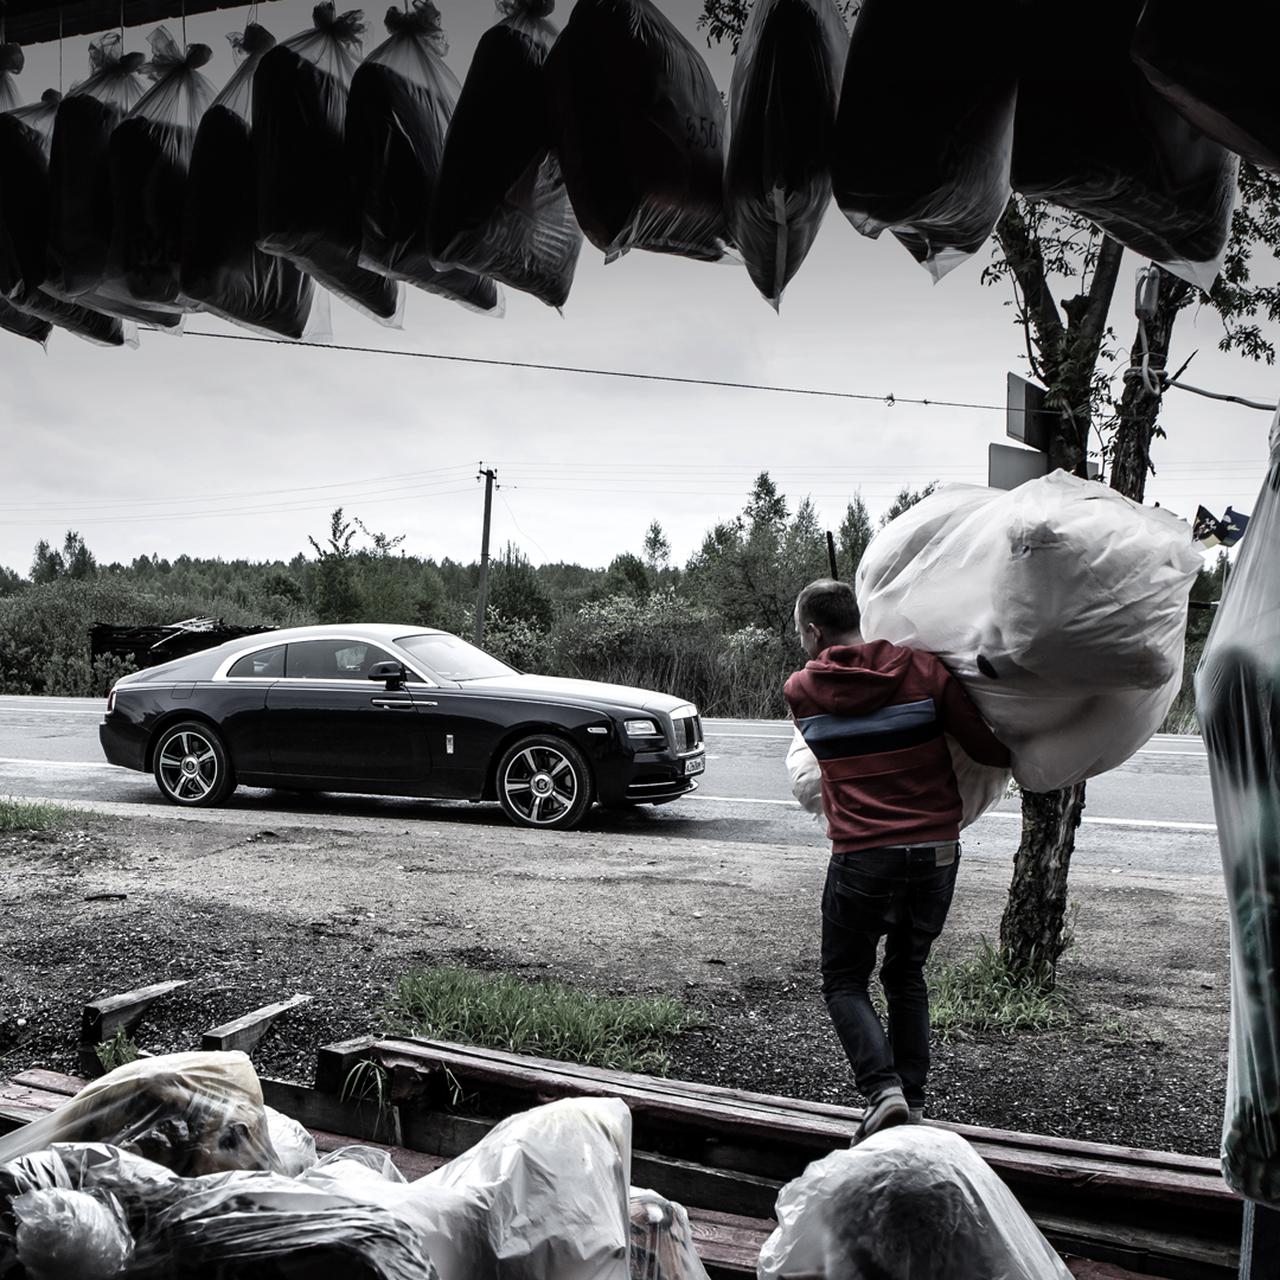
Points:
(875, 714)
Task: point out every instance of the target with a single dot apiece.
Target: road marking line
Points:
(59, 764)
(38, 712)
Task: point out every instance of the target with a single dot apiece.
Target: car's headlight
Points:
(642, 729)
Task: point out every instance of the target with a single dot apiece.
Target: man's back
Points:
(875, 716)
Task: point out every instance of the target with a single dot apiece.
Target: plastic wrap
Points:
(194, 1113)
(782, 116)
(639, 126)
(23, 324)
(402, 97)
(1092, 135)
(25, 135)
(1060, 606)
(1238, 704)
(911, 1203)
(925, 130)
(150, 152)
(501, 207)
(222, 267)
(69, 1235)
(1215, 66)
(80, 202)
(308, 207)
(662, 1245)
(293, 1145)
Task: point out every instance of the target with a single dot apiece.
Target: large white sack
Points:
(1060, 605)
(911, 1203)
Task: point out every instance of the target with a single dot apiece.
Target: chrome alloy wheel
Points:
(188, 766)
(541, 785)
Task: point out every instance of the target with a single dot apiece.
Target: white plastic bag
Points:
(806, 775)
(911, 1203)
(662, 1245)
(70, 1235)
(195, 1113)
(1060, 605)
(1238, 702)
(294, 1147)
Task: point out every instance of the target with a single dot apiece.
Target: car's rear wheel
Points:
(544, 781)
(192, 766)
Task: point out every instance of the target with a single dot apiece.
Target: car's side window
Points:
(333, 660)
(266, 664)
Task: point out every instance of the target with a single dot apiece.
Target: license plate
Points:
(695, 765)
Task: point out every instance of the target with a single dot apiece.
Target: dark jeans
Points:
(902, 895)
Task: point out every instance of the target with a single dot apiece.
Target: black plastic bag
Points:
(24, 325)
(925, 129)
(24, 225)
(639, 129)
(1217, 67)
(501, 206)
(1092, 135)
(782, 116)
(308, 208)
(402, 97)
(149, 156)
(222, 267)
(79, 168)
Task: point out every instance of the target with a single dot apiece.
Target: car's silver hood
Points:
(589, 691)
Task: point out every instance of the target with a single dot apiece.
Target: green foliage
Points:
(546, 1019)
(984, 993)
(515, 591)
(905, 499)
(33, 815)
(117, 1051)
(657, 550)
(855, 533)
(11, 582)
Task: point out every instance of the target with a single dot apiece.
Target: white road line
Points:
(37, 713)
(58, 764)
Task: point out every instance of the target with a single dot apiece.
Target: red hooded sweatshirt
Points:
(875, 715)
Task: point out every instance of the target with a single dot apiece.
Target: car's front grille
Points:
(688, 733)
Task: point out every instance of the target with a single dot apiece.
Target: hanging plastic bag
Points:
(194, 1113)
(24, 225)
(911, 1203)
(640, 132)
(925, 130)
(662, 1245)
(79, 170)
(1238, 705)
(23, 324)
(1060, 606)
(308, 207)
(1216, 68)
(402, 96)
(1092, 135)
(501, 207)
(149, 157)
(12, 60)
(222, 267)
(782, 114)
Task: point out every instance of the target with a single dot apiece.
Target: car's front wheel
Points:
(543, 781)
(192, 766)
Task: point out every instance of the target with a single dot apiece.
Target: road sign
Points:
(1027, 419)
(1009, 466)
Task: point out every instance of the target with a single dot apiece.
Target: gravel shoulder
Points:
(338, 906)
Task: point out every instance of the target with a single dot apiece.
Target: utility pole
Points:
(482, 596)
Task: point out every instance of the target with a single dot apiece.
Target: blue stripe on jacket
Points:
(832, 737)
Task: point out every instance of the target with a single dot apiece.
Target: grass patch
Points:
(543, 1018)
(117, 1051)
(982, 994)
(34, 815)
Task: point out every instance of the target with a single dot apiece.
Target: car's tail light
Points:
(111, 702)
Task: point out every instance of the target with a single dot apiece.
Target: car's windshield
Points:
(453, 659)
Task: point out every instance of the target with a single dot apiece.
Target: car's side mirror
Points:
(393, 673)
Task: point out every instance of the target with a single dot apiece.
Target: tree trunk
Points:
(1033, 928)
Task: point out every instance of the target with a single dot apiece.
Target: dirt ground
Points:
(339, 906)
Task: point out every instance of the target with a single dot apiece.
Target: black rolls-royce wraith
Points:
(399, 711)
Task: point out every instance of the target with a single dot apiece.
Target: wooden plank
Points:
(335, 1061)
(771, 1103)
(36, 21)
(244, 1033)
(50, 1081)
(694, 1184)
(730, 1242)
(1260, 1243)
(102, 1018)
(27, 1099)
(364, 1121)
(1148, 1251)
(786, 1143)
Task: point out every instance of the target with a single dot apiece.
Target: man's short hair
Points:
(830, 605)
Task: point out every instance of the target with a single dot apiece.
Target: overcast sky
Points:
(234, 449)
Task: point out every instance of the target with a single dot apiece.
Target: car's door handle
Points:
(393, 704)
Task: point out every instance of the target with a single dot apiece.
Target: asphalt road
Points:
(1153, 814)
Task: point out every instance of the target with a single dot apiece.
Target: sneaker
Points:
(915, 1115)
(887, 1109)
